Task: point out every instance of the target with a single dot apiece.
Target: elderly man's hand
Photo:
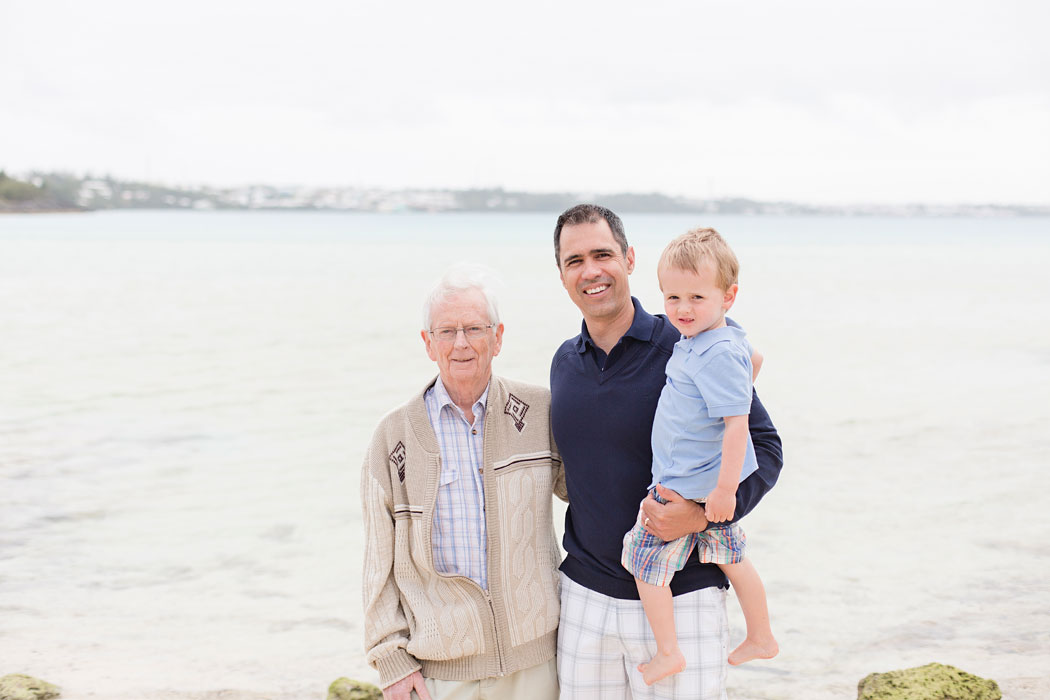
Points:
(402, 689)
(676, 518)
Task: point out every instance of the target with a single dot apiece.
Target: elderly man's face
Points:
(465, 364)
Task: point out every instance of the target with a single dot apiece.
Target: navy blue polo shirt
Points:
(602, 409)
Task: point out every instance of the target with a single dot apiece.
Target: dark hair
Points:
(588, 214)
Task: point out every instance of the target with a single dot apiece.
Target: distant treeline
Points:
(65, 192)
(498, 199)
(56, 194)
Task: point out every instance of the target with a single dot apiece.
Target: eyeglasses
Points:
(448, 335)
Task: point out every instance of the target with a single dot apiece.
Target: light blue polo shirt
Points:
(708, 378)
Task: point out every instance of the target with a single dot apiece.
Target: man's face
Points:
(465, 363)
(594, 270)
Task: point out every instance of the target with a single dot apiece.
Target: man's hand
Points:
(721, 504)
(402, 689)
(676, 518)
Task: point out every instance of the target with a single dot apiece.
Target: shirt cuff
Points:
(731, 409)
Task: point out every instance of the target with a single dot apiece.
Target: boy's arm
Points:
(721, 502)
(678, 517)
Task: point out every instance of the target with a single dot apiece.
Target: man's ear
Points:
(427, 343)
(499, 340)
(630, 259)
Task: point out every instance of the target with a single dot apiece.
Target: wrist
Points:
(700, 521)
(395, 667)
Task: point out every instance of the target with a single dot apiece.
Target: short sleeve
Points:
(723, 375)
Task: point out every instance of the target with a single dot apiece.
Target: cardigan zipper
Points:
(492, 611)
(495, 635)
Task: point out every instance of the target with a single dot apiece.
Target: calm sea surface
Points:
(185, 399)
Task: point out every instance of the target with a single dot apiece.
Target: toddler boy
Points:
(701, 447)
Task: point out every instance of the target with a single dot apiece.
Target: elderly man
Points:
(460, 582)
(605, 384)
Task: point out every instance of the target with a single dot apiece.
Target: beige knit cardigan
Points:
(448, 626)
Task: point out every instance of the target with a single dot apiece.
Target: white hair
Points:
(460, 278)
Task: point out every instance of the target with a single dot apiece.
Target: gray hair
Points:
(460, 278)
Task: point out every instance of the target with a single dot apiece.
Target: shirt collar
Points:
(443, 399)
(641, 328)
(700, 342)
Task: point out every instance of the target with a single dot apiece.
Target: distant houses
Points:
(64, 192)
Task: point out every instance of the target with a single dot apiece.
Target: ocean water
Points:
(185, 398)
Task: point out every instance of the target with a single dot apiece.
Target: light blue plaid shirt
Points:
(459, 537)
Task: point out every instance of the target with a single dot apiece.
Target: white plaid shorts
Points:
(601, 641)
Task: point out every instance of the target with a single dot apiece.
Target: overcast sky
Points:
(825, 102)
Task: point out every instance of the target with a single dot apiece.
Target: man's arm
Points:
(385, 624)
(558, 470)
(678, 517)
(770, 455)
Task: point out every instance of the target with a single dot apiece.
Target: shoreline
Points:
(1014, 688)
(70, 210)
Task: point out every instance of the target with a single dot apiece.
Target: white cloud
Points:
(815, 101)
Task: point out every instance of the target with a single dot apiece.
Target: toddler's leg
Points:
(659, 608)
(760, 643)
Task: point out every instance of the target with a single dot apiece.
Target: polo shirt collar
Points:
(642, 328)
(700, 342)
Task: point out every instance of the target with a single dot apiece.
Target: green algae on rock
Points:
(929, 682)
(17, 686)
(346, 689)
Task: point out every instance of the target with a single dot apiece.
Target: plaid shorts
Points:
(655, 561)
(601, 641)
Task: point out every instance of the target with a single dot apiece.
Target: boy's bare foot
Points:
(754, 649)
(662, 665)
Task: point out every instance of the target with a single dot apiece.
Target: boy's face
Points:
(694, 302)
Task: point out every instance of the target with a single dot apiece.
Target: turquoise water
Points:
(495, 228)
(185, 398)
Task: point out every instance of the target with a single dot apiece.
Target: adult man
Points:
(460, 581)
(605, 384)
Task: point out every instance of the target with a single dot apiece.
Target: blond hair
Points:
(690, 250)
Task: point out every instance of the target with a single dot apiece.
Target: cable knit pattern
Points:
(448, 626)
(529, 562)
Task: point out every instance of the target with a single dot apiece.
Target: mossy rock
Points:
(929, 682)
(17, 686)
(346, 689)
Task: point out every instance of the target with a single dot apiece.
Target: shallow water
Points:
(185, 399)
